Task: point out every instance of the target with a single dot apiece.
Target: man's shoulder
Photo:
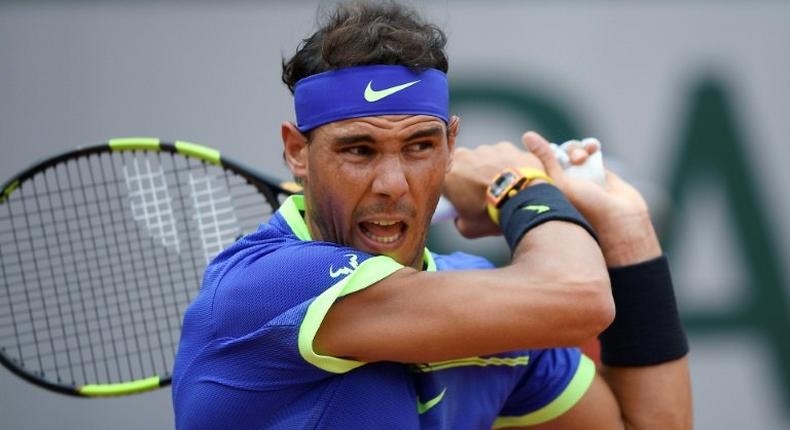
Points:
(287, 259)
(267, 274)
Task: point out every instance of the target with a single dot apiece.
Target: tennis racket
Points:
(103, 248)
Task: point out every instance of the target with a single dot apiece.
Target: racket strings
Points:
(119, 322)
(70, 365)
(134, 353)
(11, 310)
(16, 278)
(237, 183)
(54, 223)
(151, 202)
(150, 195)
(99, 266)
(26, 219)
(249, 199)
(187, 291)
(111, 359)
(90, 273)
(59, 309)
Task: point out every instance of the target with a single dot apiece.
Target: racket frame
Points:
(268, 186)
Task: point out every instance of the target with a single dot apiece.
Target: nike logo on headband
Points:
(372, 95)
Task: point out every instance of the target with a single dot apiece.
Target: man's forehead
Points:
(384, 124)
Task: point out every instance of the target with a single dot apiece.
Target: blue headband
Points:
(360, 91)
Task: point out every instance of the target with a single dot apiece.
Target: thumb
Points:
(538, 146)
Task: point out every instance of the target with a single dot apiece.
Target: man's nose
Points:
(390, 179)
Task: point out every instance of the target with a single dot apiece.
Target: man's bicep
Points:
(409, 317)
(328, 342)
(348, 328)
(597, 409)
(419, 317)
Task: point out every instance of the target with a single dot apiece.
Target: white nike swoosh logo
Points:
(372, 95)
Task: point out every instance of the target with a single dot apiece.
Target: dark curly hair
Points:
(363, 33)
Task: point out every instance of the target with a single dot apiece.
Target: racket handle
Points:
(444, 211)
(592, 169)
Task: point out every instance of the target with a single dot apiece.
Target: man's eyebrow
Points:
(367, 138)
(427, 132)
(354, 138)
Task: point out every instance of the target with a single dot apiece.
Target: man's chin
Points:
(410, 258)
(405, 257)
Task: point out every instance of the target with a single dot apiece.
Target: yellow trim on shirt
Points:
(571, 395)
(368, 273)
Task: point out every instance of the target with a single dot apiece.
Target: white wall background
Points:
(79, 73)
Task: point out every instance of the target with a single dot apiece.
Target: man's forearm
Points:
(653, 397)
(644, 351)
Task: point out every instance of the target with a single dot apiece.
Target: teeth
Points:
(384, 223)
(381, 239)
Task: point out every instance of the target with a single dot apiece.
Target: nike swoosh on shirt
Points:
(423, 407)
(372, 95)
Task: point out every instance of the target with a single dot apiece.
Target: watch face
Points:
(502, 184)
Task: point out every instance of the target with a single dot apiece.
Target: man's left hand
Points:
(617, 211)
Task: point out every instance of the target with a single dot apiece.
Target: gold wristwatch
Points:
(507, 184)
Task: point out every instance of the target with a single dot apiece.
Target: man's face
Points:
(372, 183)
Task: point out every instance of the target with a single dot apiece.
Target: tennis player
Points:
(334, 315)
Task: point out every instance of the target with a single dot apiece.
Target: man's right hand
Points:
(472, 171)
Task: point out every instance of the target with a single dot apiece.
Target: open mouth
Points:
(383, 231)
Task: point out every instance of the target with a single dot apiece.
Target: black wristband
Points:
(533, 206)
(647, 328)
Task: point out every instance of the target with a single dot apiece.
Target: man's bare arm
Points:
(640, 397)
(554, 293)
(657, 396)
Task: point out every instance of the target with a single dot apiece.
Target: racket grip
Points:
(444, 211)
(592, 169)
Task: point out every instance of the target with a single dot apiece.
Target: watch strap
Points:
(527, 174)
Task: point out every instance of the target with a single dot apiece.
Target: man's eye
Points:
(359, 150)
(420, 146)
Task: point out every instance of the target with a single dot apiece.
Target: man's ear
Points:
(452, 132)
(294, 149)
